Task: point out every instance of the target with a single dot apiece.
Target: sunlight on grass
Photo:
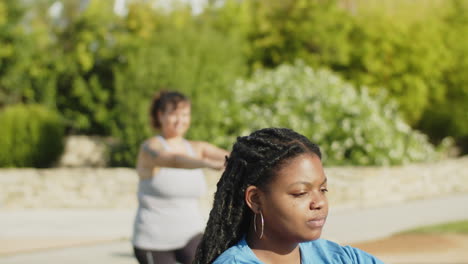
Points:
(460, 227)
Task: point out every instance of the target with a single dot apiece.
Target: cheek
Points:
(169, 120)
(286, 219)
(287, 209)
(299, 207)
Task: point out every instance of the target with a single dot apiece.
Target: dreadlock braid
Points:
(253, 161)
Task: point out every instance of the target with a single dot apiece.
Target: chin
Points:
(312, 236)
(177, 133)
(181, 131)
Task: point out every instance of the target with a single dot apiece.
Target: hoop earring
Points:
(255, 224)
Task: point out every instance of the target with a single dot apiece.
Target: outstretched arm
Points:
(210, 151)
(150, 156)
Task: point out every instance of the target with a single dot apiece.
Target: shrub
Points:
(404, 59)
(282, 31)
(202, 70)
(30, 136)
(76, 78)
(350, 126)
(372, 44)
(448, 115)
(86, 53)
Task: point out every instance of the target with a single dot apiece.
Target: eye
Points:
(324, 190)
(299, 194)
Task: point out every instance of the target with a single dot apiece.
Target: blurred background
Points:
(380, 85)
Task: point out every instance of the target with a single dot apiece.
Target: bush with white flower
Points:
(350, 126)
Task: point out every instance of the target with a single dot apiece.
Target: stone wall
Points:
(85, 151)
(67, 188)
(115, 187)
(373, 186)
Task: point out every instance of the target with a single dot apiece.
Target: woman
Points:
(168, 224)
(271, 205)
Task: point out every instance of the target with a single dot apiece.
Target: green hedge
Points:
(104, 68)
(203, 70)
(350, 126)
(283, 31)
(30, 136)
(406, 60)
(448, 114)
(414, 52)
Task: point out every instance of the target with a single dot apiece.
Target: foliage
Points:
(12, 41)
(404, 57)
(30, 136)
(64, 63)
(99, 69)
(406, 60)
(283, 31)
(165, 61)
(448, 114)
(349, 125)
(84, 85)
(413, 51)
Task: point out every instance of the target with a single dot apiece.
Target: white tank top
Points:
(168, 214)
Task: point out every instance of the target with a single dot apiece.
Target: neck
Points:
(271, 250)
(176, 144)
(172, 138)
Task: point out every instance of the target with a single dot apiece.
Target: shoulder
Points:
(227, 259)
(229, 256)
(240, 253)
(152, 143)
(235, 258)
(325, 250)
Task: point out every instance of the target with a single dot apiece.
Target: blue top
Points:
(317, 251)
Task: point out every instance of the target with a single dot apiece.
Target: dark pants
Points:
(183, 255)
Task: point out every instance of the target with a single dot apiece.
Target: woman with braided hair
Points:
(270, 205)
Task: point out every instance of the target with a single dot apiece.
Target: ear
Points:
(252, 198)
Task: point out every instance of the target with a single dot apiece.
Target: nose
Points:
(179, 117)
(318, 201)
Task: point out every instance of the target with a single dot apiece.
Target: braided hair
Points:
(254, 160)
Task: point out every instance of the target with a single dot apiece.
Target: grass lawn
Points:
(460, 227)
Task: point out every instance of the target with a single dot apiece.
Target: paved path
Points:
(351, 226)
(101, 236)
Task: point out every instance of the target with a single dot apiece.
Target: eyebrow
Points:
(308, 183)
(324, 181)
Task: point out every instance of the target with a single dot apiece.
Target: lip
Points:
(316, 222)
